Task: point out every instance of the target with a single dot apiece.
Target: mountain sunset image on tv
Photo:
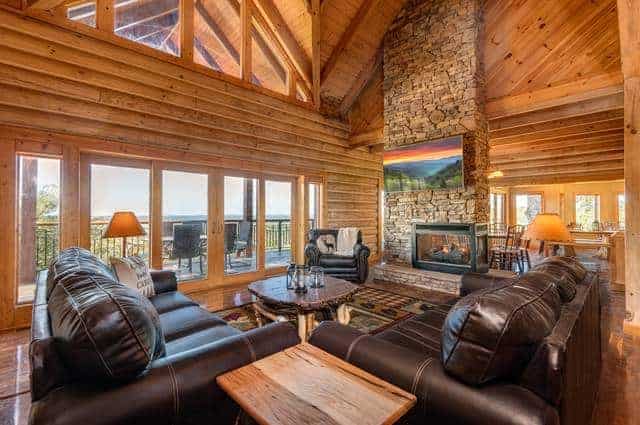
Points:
(424, 166)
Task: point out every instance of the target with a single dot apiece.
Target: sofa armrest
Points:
(441, 398)
(362, 253)
(180, 388)
(312, 254)
(164, 281)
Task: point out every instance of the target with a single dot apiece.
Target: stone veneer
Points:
(434, 88)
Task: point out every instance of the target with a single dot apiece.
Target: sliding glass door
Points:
(278, 223)
(240, 225)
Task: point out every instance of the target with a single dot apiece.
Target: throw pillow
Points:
(326, 244)
(133, 272)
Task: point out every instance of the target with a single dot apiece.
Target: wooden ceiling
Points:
(554, 91)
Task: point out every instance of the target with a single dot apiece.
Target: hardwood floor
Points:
(619, 384)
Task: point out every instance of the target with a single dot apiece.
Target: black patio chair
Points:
(187, 243)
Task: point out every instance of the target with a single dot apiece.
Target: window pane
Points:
(155, 23)
(184, 223)
(278, 223)
(314, 205)
(527, 207)
(268, 67)
(118, 189)
(240, 219)
(621, 210)
(38, 220)
(217, 35)
(496, 208)
(588, 211)
(83, 12)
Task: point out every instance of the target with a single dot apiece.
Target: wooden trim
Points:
(316, 37)
(105, 16)
(85, 202)
(215, 226)
(27, 147)
(46, 4)
(155, 215)
(245, 37)
(8, 241)
(260, 227)
(186, 29)
(70, 197)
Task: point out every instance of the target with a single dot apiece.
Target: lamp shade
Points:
(123, 224)
(548, 227)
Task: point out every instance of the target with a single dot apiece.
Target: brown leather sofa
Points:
(354, 268)
(101, 353)
(522, 351)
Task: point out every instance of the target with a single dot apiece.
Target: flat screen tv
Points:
(424, 166)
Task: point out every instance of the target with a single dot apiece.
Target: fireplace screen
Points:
(444, 248)
(450, 247)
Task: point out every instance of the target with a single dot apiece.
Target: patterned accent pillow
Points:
(326, 244)
(133, 272)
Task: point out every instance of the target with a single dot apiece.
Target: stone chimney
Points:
(434, 88)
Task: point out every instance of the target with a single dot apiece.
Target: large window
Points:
(38, 220)
(116, 188)
(83, 12)
(496, 208)
(216, 41)
(184, 223)
(277, 223)
(588, 211)
(268, 66)
(155, 23)
(240, 224)
(621, 210)
(528, 206)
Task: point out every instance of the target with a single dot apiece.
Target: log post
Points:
(629, 20)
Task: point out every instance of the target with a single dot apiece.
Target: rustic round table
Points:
(274, 301)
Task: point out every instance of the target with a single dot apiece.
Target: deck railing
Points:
(277, 238)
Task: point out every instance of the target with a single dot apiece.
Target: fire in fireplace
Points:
(450, 247)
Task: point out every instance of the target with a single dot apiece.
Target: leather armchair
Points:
(354, 268)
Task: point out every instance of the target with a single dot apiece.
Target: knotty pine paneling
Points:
(91, 96)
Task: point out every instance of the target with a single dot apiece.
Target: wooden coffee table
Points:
(305, 385)
(275, 301)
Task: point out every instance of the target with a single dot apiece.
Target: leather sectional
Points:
(522, 351)
(103, 354)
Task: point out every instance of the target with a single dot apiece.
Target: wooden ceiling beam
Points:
(340, 49)
(360, 83)
(586, 107)
(245, 40)
(368, 138)
(279, 27)
(572, 92)
(217, 32)
(560, 124)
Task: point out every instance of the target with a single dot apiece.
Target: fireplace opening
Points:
(450, 247)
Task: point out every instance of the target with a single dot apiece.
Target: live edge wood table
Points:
(275, 301)
(305, 385)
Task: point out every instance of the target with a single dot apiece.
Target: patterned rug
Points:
(372, 310)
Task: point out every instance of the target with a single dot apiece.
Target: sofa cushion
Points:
(134, 272)
(564, 280)
(105, 331)
(199, 338)
(77, 261)
(169, 301)
(492, 333)
(186, 320)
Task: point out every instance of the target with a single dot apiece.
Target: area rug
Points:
(372, 310)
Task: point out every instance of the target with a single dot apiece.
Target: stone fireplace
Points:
(434, 88)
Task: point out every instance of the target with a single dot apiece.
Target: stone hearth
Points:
(427, 279)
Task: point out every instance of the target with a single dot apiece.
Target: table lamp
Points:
(548, 227)
(123, 224)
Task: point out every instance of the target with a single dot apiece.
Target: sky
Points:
(122, 188)
(438, 149)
